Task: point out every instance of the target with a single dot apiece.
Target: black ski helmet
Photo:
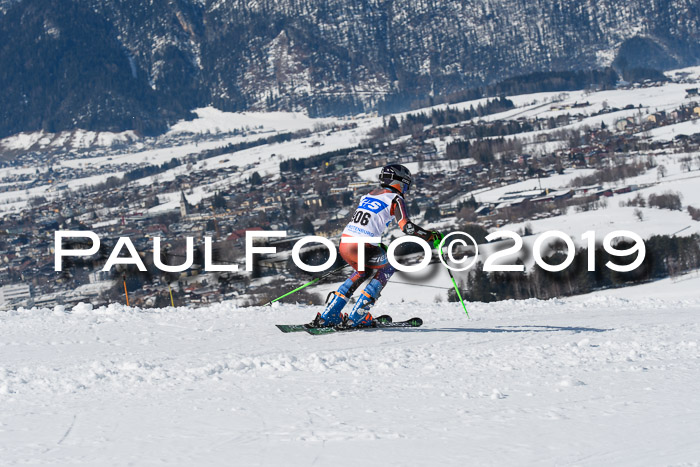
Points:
(396, 176)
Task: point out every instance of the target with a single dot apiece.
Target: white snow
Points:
(211, 120)
(609, 378)
(669, 132)
(691, 73)
(553, 182)
(615, 217)
(603, 221)
(75, 139)
(22, 140)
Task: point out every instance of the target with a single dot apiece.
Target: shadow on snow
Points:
(527, 328)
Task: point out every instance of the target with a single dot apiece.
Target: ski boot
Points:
(360, 315)
(363, 321)
(332, 315)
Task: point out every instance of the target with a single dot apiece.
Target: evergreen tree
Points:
(432, 214)
(256, 179)
(307, 227)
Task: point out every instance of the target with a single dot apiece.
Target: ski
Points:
(409, 323)
(384, 319)
(291, 327)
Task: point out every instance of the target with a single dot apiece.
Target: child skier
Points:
(374, 214)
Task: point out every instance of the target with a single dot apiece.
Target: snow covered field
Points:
(605, 379)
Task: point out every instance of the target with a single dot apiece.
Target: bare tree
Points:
(661, 171)
(685, 163)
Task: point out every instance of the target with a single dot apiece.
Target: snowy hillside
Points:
(604, 379)
(215, 129)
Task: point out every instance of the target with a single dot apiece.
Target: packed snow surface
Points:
(610, 378)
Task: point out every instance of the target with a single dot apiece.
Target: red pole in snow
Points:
(126, 292)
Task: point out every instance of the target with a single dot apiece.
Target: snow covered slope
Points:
(604, 379)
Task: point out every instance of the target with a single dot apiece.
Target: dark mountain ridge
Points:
(129, 64)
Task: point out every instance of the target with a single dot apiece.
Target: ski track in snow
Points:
(592, 380)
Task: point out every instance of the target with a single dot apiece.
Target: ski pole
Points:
(172, 303)
(126, 292)
(457, 290)
(454, 283)
(319, 278)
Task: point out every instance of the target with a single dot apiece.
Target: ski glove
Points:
(436, 237)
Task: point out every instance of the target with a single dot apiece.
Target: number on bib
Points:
(361, 217)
